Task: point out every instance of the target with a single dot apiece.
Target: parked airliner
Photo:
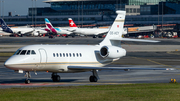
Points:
(95, 32)
(50, 28)
(21, 30)
(74, 58)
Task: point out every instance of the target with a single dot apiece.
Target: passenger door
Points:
(43, 58)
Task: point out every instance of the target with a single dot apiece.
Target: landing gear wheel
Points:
(93, 79)
(28, 75)
(55, 77)
(27, 81)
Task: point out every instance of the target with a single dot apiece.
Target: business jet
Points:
(21, 30)
(50, 28)
(74, 58)
(95, 32)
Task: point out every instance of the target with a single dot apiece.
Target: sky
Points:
(20, 6)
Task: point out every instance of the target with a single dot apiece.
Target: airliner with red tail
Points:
(86, 31)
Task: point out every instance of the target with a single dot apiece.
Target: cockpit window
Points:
(17, 52)
(33, 52)
(23, 52)
(28, 52)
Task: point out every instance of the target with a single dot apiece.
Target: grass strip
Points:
(124, 92)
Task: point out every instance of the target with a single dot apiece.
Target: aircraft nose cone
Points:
(7, 63)
(10, 64)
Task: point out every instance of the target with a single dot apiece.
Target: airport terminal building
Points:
(101, 12)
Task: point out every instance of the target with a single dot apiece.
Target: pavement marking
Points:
(154, 62)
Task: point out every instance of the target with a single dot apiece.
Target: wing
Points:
(114, 68)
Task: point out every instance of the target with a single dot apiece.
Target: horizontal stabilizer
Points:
(114, 68)
(128, 39)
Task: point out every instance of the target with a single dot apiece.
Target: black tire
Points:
(93, 79)
(56, 78)
(27, 81)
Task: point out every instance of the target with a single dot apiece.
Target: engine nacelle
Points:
(35, 33)
(112, 52)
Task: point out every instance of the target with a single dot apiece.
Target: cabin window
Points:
(33, 52)
(117, 51)
(63, 55)
(77, 54)
(54, 54)
(67, 54)
(70, 54)
(28, 52)
(17, 52)
(73, 55)
(57, 54)
(80, 55)
(60, 55)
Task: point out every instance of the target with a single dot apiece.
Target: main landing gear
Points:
(28, 75)
(55, 77)
(94, 77)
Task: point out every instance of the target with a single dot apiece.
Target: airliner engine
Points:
(35, 33)
(112, 52)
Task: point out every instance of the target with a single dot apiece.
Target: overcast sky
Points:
(20, 6)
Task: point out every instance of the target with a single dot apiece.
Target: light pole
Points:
(32, 13)
(3, 8)
(0, 8)
(162, 15)
(35, 12)
(82, 13)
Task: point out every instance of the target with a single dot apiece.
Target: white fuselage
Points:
(56, 58)
(62, 31)
(90, 31)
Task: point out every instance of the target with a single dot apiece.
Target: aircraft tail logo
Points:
(49, 26)
(71, 23)
(5, 27)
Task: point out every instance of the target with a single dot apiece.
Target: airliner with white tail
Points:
(50, 28)
(74, 58)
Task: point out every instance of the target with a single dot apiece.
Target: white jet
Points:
(21, 30)
(95, 32)
(74, 58)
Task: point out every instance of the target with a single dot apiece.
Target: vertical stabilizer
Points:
(49, 26)
(115, 31)
(71, 23)
(5, 27)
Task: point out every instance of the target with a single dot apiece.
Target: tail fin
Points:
(115, 31)
(71, 23)
(49, 26)
(5, 27)
(114, 36)
(48, 23)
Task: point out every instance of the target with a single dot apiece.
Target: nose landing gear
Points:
(28, 75)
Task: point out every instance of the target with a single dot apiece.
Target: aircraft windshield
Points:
(25, 52)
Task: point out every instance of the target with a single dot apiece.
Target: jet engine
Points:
(35, 33)
(112, 52)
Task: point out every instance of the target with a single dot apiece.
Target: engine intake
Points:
(112, 52)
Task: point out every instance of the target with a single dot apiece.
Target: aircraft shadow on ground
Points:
(36, 81)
